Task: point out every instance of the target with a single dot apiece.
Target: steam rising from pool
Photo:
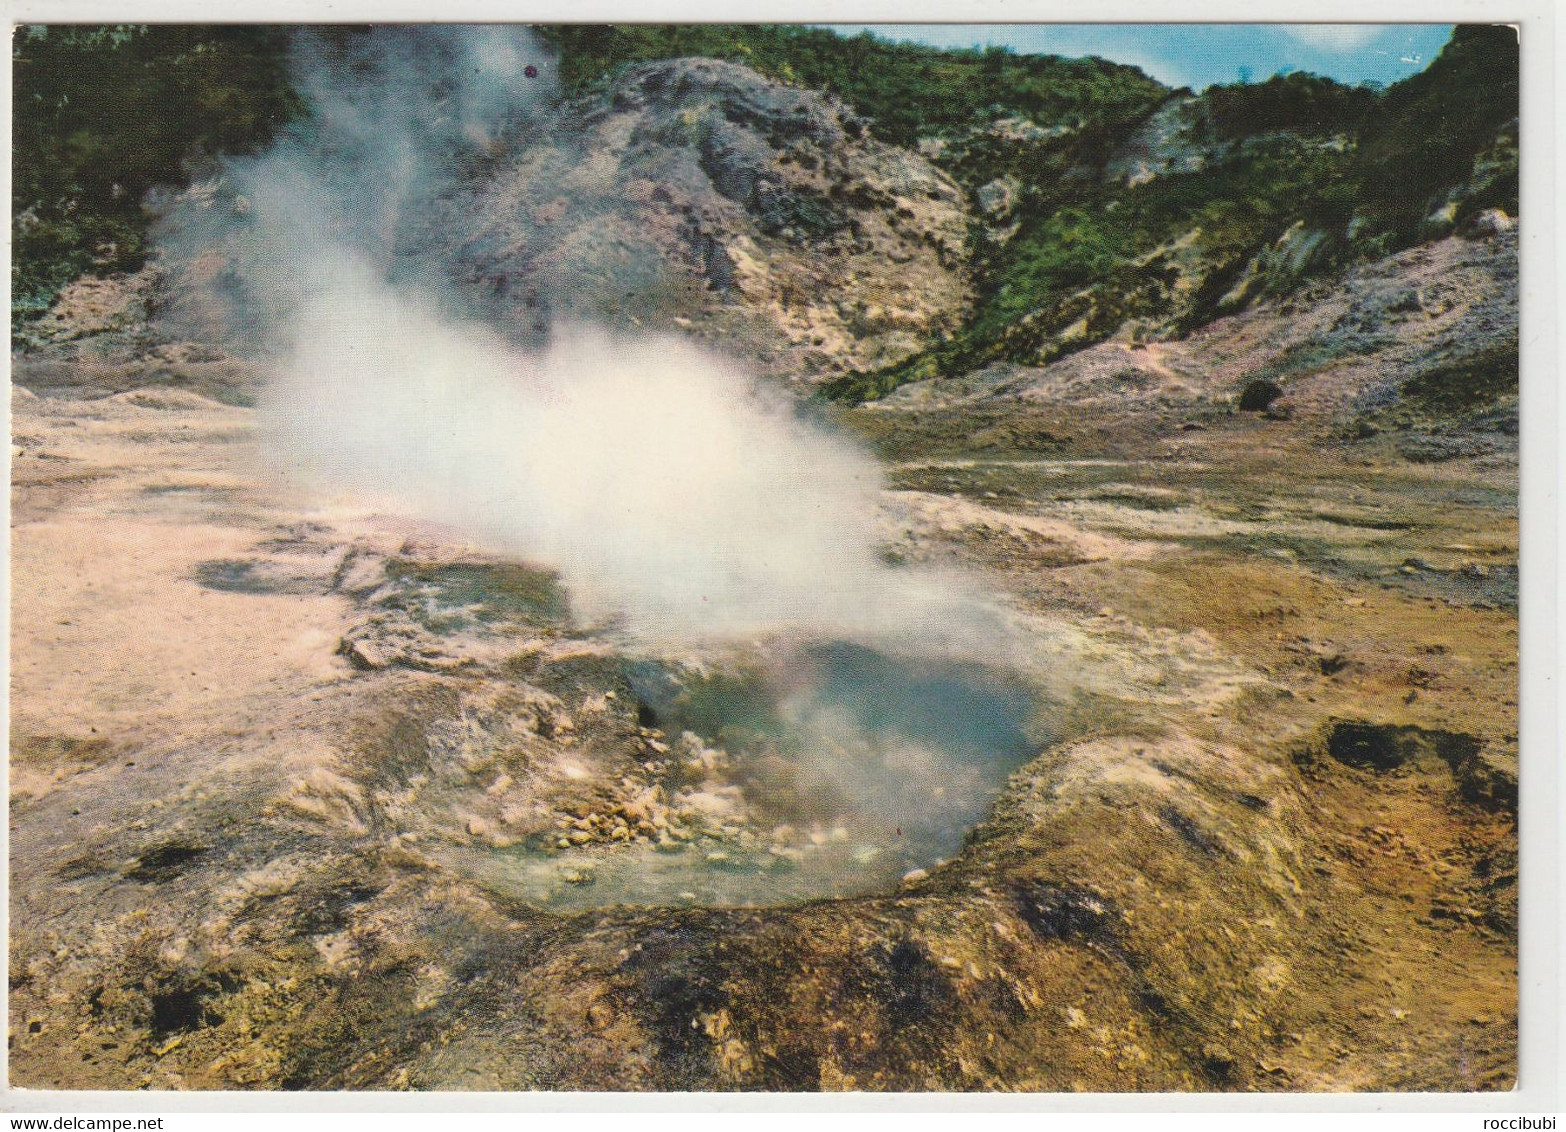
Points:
(677, 496)
(851, 768)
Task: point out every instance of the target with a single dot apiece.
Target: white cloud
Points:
(1335, 37)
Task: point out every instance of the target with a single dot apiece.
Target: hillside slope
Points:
(1216, 202)
(1071, 201)
(695, 195)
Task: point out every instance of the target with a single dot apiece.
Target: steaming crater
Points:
(775, 776)
(675, 494)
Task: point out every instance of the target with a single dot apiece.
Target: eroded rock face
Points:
(95, 316)
(1420, 346)
(721, 203)
(694, 196)
(1170, 141)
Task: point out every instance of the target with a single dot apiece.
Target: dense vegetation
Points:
(1352, 171)
(101, 115)
(1301, 103)
(105, 114)
(1451, 123)
(907, 90)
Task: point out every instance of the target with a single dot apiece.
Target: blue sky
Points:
(1197, 55)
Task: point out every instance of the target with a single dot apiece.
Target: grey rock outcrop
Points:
(697, 194)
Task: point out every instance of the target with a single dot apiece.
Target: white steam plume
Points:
(664, 483)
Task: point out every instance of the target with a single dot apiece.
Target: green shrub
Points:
(103, 114)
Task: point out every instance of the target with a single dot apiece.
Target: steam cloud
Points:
(665, 484)
(674, 493)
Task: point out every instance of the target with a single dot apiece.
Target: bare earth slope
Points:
(693, 196)
(304, 797)
(745, 208)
